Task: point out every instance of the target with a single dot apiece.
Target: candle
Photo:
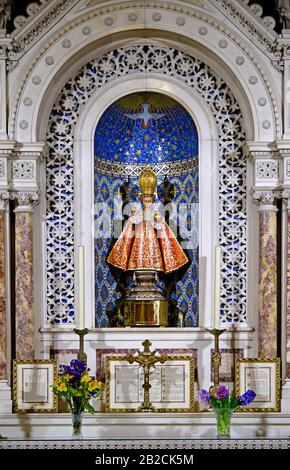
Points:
(81, 288)
(217, 284)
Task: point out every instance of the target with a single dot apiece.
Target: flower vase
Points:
(77, 418)
(223, 420)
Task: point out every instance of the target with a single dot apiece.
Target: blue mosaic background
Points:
(119, 138)
(114, 135)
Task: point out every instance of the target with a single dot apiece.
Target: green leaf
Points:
(76, 393)
(90, 408)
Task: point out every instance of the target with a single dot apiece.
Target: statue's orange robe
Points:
(142, 246)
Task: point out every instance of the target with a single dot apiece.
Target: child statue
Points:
(147, 242)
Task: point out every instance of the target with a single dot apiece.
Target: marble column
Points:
(288, 299)
(267, 330)
(3, 318)
(24, 315)
(285, 393)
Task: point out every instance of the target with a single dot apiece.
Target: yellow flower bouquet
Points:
(77, 387)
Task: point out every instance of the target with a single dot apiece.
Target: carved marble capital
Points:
(266, 200)
(4, 197)
(280, 53)
(26, 200)
(6, 45)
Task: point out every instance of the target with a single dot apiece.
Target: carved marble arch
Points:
(165, 63)
(239, 66)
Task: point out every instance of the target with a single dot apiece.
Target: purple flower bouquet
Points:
(224, 404)
(219, 397)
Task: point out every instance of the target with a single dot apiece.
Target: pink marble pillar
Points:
(268, 282)
(288, 301)
(3, 322)
(23, 283)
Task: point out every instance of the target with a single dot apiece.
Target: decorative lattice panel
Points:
(232, 168)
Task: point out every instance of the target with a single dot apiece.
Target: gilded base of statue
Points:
(145, 304)
(146, 313)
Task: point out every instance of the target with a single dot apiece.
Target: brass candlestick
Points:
(216, 358)
(146, 359)
(81, 354)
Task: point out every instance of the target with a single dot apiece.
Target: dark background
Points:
(269, 6)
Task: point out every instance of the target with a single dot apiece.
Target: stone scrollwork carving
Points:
(266, 199)
(24, 198)
(263, 197)
(239, 15)
(280, 52)
(123, 61)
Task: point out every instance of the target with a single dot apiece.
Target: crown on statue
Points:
(147, 182)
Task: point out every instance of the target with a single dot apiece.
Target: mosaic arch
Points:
(59, 169)
(169, 142)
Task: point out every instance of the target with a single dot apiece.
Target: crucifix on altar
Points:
(146, 359)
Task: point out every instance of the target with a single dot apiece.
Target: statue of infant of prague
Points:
(146, 247)
(147, 242)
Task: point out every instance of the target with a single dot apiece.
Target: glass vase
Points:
(223, 421)
(77, 418)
